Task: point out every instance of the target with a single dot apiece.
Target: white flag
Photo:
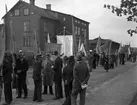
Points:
(48, 41)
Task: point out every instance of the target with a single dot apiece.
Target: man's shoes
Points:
(40, 100)
(34, 100)
(18, 97)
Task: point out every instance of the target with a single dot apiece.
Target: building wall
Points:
(83, 35)
(18, 28)
(50, 28)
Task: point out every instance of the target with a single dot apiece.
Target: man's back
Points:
(81, 73)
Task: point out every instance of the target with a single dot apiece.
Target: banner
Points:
(82, 48)
(67, 44)
(105, 47)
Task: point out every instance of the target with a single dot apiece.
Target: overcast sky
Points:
(102, 22)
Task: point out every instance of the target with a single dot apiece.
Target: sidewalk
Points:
(98, 76)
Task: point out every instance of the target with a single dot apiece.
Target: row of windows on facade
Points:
(78, 31)
(27, 26)
(17, 12)
(76, 21)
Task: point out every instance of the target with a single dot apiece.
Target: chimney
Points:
(48, 6)
(32, 2)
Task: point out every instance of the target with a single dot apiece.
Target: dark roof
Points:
(102, 41)
(37, 9)
(42, 11)
(66, 14)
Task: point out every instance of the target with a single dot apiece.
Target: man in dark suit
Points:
(37, 67)
(81, 76)
(21, 72)
(58, 76)
(7, 78)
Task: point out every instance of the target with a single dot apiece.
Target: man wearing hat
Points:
(80, 78)
(58, 64)
(21, 73)
(37, 68)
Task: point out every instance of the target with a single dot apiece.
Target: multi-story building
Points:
(27, 24)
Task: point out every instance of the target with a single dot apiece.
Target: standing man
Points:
(58, 76)
(81, 76)
(37, 68)
(21, 72)
(7, 78)
(48, 75)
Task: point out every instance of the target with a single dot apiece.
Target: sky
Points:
(103, 22)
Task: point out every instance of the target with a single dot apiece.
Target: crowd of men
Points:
(49, 69)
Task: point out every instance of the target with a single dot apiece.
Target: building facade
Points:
(93, 43)
(28, 25)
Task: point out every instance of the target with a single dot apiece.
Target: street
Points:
(117, 87)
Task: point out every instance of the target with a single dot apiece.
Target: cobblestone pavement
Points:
(98, 77)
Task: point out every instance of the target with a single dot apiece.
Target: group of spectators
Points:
(49, 71)
(53, 70)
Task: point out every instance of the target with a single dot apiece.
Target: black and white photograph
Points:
(68, 52)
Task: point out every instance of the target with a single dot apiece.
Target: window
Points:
(26, 41)
(45, 29)
(64, 19)
(26, 26)
(26, 11)
(17, 12)
(78, 30)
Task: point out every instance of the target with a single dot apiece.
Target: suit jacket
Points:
(68, 73)
(21, 65)
(81, 74)
(7, 70)
(37, 67)
(58, 69)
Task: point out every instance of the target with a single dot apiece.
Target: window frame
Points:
(26, 41)
(27, 26)
(15, 13)
(24, 12)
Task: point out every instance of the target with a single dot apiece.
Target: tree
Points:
(127, 8)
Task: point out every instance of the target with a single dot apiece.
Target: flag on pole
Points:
(82, 49)
(120, 48)
(79, 45)
(105, 46)
(98, 46)
(6, 8)
(109, 48)
(48, 41)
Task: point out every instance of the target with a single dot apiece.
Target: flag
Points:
(109, 48)
(98, 46)
(82, 49)
(79, 45)
(120, 48)
(48, 41)
(129, 50)
(6, 8)
(105, 46)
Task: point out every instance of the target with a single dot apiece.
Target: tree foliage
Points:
(127, 8)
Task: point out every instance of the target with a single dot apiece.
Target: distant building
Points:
(93, 43)
(25, 20)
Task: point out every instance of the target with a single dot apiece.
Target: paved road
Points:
(101, 87)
